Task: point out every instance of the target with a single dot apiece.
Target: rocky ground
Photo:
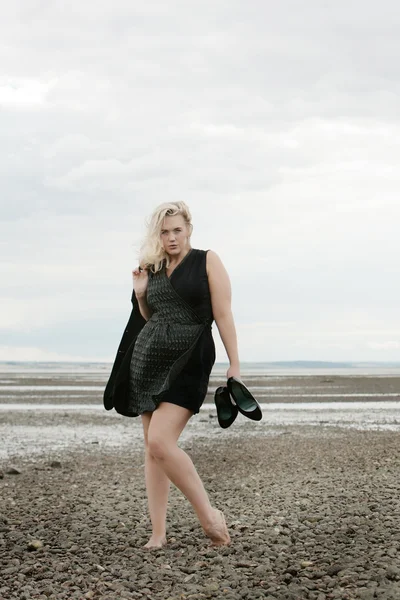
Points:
(314, 513)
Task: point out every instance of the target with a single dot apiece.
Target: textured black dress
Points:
(174, 352)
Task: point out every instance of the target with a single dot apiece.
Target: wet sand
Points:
(89, 388)
(314, 513)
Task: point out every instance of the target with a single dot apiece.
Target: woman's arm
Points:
(143, 306)
(140, 283)
(221, 295)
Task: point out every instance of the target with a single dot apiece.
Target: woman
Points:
(180, 291)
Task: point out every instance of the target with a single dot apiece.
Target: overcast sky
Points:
(277, 122)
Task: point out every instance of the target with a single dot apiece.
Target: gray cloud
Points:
(278, 125)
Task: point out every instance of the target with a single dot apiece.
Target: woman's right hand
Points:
(140, 281)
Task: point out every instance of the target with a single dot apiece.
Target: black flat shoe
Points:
(226, 411)
(244, 399)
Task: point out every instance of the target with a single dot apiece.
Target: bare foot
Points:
(155, 542)
(217, 530)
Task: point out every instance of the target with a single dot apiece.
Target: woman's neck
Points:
(177, 258)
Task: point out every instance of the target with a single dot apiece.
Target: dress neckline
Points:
(178, 265)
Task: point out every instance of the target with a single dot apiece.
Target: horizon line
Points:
(252, 362)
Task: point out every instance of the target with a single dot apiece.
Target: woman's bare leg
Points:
(157, 486)
(166, 425)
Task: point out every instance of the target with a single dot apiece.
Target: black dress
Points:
(174, 352)
(190, 281)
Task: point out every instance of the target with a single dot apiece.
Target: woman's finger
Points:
(139, 271)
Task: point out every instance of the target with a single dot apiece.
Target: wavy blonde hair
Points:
(152, 253)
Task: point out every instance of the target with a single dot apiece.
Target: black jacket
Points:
(116, 393)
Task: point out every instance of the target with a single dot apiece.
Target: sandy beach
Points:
(313, 512)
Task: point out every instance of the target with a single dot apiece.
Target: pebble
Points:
(34, 544)
(306, 563)
(335, 569)
(13, 471)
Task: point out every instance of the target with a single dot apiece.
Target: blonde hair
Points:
(152, 253)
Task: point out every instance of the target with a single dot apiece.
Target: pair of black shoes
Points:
(233, 398)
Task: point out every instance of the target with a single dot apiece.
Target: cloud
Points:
(23, 93)
(279, 127)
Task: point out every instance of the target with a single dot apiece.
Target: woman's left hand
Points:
(233, 371)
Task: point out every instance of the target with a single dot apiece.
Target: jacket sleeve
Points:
(135, 323)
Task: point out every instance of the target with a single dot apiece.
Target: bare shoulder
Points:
(213, 262)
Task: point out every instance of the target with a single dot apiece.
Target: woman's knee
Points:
(158, 446)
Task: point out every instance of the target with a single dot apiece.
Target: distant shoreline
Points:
(256, 364)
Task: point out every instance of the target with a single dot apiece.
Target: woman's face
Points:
(175, 235)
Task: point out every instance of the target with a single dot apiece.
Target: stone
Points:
(335, 569)
(35, 544)
(393, 573)
(12, 471)
(306, 563)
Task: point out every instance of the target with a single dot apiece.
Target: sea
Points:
(49, 407)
